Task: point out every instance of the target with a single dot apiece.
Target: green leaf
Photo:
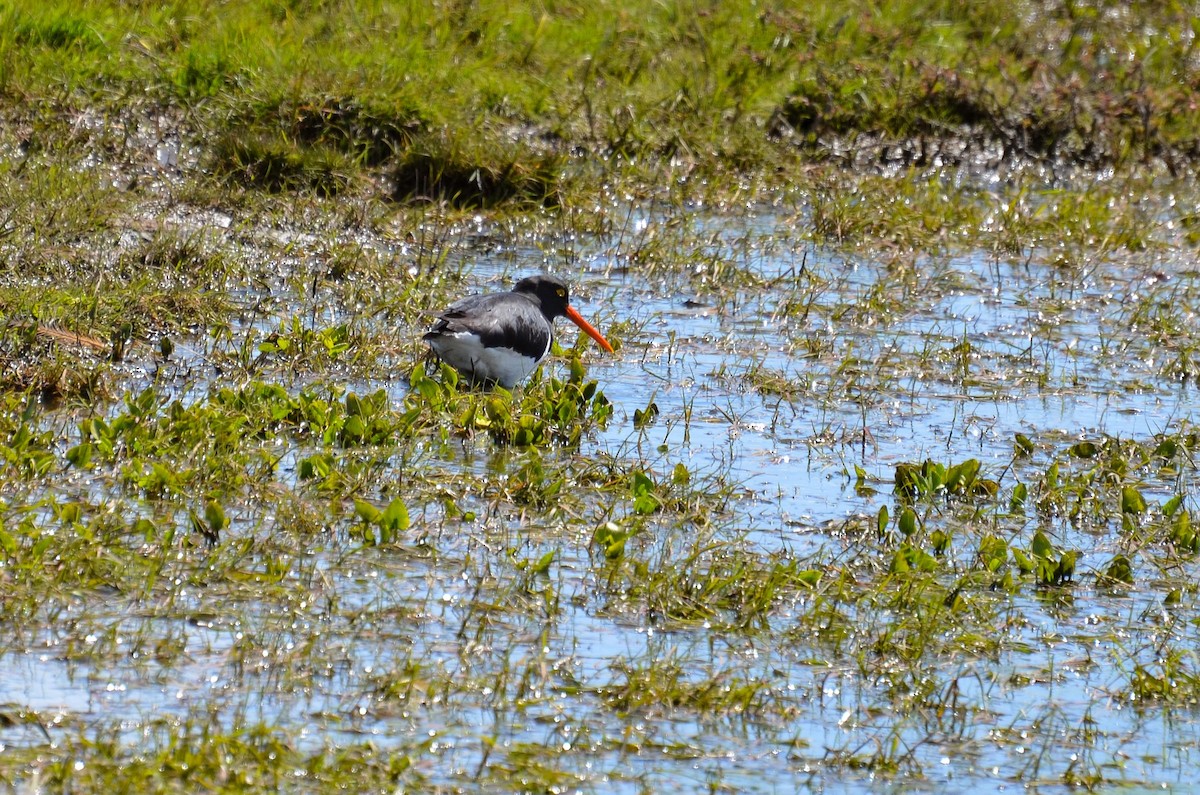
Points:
(316, 466)
(498, 411)
(366, 511)
(961, 476)
(80, 455)
(908, 522)
(642, 418)
(1132, 501)
(1172, 505)
(861, 485)
(1016, 503)
(395, 517)
(645, 501)
(920, 559)
(908, 480)
(611, 538)
(1181, 526)
(993, 550)
(214, 515)
(1046, 571)
(145, 528)
(1120, 569)
(1084, 450)
(881, 522)
(1023, 561)
(1052, 477)
(810, 577)
(1042, 548)
(1066, 568)
(577, 371)
(1023, 446)
(542, 566)
(70, 513)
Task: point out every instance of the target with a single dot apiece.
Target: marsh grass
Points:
(251, 537)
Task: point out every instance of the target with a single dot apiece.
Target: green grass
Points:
(719, 86)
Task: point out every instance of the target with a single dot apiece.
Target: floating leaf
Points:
(1083, 450)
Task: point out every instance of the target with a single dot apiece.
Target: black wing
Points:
(504, 320)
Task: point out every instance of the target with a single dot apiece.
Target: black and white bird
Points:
(500, 338)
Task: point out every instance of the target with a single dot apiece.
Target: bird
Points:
(500, 338)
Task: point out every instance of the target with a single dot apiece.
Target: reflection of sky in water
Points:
(792, 460)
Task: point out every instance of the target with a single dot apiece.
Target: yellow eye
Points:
(561, 292)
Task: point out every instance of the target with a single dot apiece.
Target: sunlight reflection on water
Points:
(784, 406)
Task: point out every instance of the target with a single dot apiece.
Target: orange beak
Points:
(588, 329)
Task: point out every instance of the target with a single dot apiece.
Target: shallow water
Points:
(946, 360)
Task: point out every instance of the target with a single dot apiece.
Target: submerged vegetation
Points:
(890, 479)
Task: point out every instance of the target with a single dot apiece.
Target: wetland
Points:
(887, 484)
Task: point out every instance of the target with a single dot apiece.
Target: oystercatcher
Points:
(500, 338)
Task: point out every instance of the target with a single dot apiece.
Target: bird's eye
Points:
(561, 293)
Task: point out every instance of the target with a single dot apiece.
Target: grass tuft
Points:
(472, 176)
(275, 163)
(368, 135)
